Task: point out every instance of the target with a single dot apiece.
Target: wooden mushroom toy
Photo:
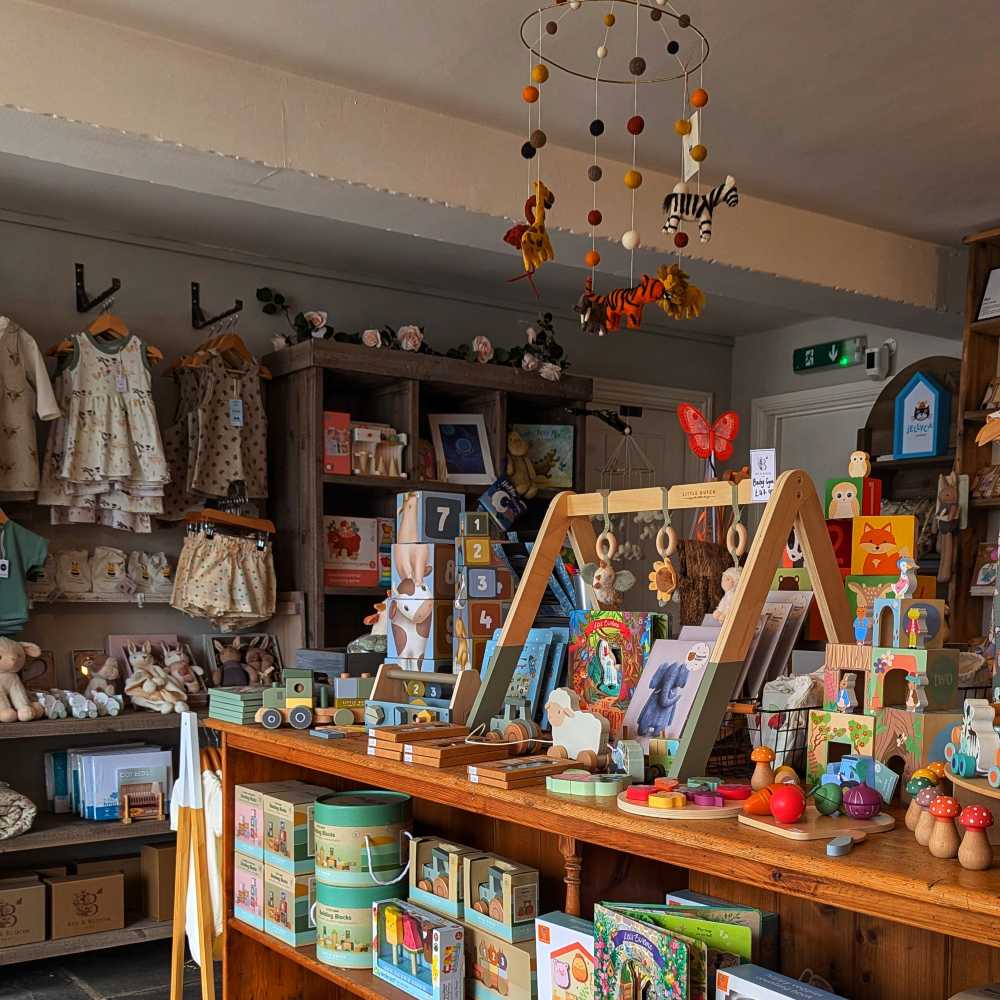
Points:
(944, 839)
(763, 775)
(940, 771)
(913, 786)
(976, 851)
(925, 822)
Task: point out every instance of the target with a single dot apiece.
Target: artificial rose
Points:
(529, 362)
(371, 338)
(317, 320)
(532, 334)
(279, 342)
(483, 349)
(550, 371)
(410, 338)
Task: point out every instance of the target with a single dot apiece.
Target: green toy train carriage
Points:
(302, 699)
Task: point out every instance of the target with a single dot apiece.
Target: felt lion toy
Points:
(682, 300)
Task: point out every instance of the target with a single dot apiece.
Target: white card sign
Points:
(763, 472)
(693, 138)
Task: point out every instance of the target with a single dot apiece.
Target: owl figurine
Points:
(859, 465)
(843, 501)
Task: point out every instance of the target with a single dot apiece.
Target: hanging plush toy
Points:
(600, 313)
(533, 240)
(590, 309)
(608, 584)
(689, 205)
(681, 299)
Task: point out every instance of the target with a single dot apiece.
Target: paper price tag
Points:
(236, 412)
(763, 472)
(4, 569)
(121, 383)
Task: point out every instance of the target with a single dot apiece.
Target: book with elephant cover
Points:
(674, 670)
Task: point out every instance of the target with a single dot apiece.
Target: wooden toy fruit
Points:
(828, 799)
(759, 804)
(788, 803)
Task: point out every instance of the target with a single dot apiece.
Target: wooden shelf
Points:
(993, 503)
(50, 830)
(891, 877)
(135, 933)
(127, 722)
(977, 416)
(358, 982)
(987, 326)
(103, 599)
(391, 484)
(355, 591)
(915, 463)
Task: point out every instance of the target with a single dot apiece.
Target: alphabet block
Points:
(426, 516)
(433, 565)
(477, 522)
(482, 583)
(878, 542)
(850, 497)
(419, 633)
(478, 551)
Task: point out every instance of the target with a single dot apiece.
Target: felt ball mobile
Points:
(643, 46)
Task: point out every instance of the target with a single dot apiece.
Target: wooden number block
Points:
(840, 539)
(479, 653)
(477, 522)
(433, 565)
(850, 497)
(478, 551)
(443, 631)
(419, 632)
(425, 516)
(504, 585)
(878, 542)
(485, 617)
(482, 583)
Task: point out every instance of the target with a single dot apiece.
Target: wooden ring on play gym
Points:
(736, 540)
(666, 542)
(606, 546)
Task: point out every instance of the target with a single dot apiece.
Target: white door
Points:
(661, 440)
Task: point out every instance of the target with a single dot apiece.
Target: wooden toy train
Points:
(974, 748)
(307, 695)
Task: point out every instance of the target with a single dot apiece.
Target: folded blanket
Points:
(17, 812)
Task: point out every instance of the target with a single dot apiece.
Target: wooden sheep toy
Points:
(15, 705)
(578, 735)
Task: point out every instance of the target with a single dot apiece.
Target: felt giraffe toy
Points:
(536, 247)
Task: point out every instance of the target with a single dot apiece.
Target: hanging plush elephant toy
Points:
(608, 584)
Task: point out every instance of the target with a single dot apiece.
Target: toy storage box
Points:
(248, 890)
(436, 872)
(288, 827)
(351, 557)
(500, 970)
(417, 951)
(751, 982)
(288, 900)
(564, 948)
(501, 896)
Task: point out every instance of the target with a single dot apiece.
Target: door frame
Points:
(618, 392)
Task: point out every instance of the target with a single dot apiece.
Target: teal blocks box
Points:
(288, 906)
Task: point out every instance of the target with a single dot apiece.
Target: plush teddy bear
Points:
(14, 701)
(519, 467)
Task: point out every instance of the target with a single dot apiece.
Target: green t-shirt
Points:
(25, 552)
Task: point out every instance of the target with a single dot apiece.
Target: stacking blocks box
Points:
(248, 890)
(419, 633)
(423, 569)
(501, 897)
(248, 817)
(288, 900)
(436, 875)
(289, 843)
(425, 516)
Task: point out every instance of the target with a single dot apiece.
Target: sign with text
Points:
(763, 472)
(834, 353)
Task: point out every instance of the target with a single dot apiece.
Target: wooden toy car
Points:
(303, 700)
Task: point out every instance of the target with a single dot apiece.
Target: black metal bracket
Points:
(84, 303)
(198, 318)
(616, 421)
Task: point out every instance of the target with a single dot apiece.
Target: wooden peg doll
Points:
(847, 700)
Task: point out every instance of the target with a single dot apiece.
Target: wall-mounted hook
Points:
(84, 303)
(198, 319)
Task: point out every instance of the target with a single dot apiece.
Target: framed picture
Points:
(39, 673)
(550, 449)
(989, 306)
(991, 397)
(461, 448)
(984, 573)
(228, 654)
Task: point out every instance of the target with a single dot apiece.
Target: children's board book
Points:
(751, 982)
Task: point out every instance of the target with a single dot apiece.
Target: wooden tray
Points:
(688, 812)
(416, 732)
(814, 826)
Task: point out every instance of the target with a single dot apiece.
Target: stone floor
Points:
(139, 972)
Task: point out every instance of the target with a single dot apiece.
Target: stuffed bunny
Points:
(15, 705)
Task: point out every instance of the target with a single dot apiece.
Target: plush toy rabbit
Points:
(15, 705)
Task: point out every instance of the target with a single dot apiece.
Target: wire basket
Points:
(730, 756)
(784, 731)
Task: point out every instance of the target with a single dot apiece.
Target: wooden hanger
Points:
(221, 517)
(112, 326)
(229, 346)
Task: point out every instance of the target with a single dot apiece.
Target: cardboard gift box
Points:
(86, 904)
(156, 869)
(130, 866)
(22, 903)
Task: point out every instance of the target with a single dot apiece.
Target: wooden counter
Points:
(888, 877)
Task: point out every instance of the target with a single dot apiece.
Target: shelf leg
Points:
(569, 849)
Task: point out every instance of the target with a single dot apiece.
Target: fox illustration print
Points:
(881, 550)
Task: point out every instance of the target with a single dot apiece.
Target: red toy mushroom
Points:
(976, 851)
(944, 839)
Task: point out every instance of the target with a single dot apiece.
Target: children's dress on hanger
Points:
(25, 391)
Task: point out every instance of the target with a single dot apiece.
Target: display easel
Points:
(191, 847)
(793, 503)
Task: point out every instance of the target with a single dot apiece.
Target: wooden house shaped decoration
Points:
(922, 416)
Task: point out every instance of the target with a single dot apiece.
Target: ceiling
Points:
(871, 112)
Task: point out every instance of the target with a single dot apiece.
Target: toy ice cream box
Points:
(751, 982)
(289, 842)
(351, 557)
(248, 817)
(564, 950)
(417, 951)
(496, 969)
(288, 906)
(248, 890)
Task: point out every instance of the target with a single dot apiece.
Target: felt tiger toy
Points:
(627, 303)
(684, 204)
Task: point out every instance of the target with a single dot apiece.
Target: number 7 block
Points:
(426, 516)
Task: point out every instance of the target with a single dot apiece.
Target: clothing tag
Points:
(121, 383)
(236, 412)
(4, 569)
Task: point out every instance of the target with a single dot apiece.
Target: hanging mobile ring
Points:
(736, 536)
(607, 544)
(666, 537)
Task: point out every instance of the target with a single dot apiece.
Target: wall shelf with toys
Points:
(399, 390)
(127, 722)
(51, 831)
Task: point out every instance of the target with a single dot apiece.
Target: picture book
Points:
(765, 940)
(674, 671)
(638, 959)
(550, 449)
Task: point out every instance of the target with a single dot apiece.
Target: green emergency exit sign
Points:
(834, 353)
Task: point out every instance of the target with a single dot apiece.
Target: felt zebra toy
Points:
(684, 204)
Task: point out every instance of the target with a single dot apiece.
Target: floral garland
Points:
(541, 354)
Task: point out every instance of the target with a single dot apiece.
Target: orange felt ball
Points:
(699, 153)
(529, 95)
(682, 126)
(540, 73)
(592, 258)
(699, 97)
(633, 179)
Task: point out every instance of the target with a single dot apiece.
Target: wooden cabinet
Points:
(400, 389)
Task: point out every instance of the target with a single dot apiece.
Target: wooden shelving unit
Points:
(50, 830)
(980, 348)
(127, 722)
(888, 921)
(134, 933)
(399, 389)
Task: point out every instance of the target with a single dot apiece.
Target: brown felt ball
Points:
(538, 138)
(594, 172)
(637, 66)
(594, 217)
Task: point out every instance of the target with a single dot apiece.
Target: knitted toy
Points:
(681, 300)
(519, 467)
(15, 705)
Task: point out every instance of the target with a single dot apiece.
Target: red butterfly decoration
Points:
(704, 438)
